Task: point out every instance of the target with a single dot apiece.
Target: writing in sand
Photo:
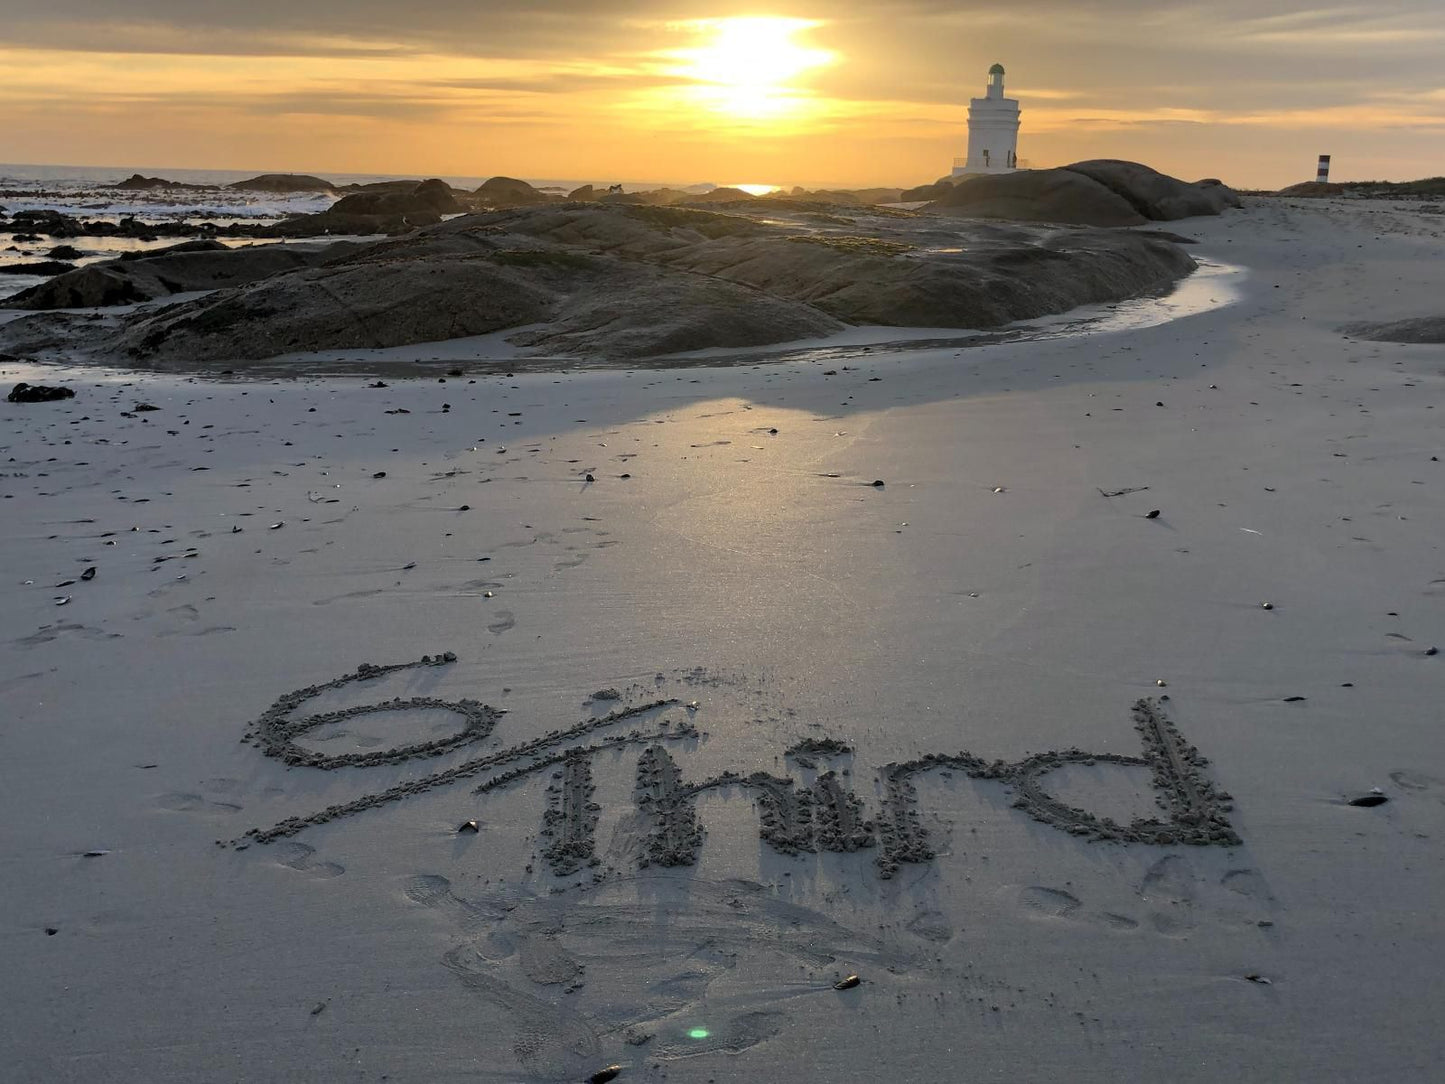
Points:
(793, 817)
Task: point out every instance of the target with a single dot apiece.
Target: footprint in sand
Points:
(1055, 903)
(505, 620)
(434, 890)
(931, 926)
(1049, 902)
(299, 856)
(1169, 884)
(1413, 780)
(195, 803)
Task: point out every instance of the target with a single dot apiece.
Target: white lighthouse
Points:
(993, 131)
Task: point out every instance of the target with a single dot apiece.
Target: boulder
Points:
(1038, 195)
(64, 252)
(508, 192)
(38, 393)
(584, 194)
(424, 197)
(1155, 195)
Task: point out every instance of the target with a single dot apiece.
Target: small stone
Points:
(602, 1076)
(1257, 978)
(591, 479)
(1432, 651)
(51, 931)
(878, 483)
(847, 983)
(1152, 514)
(1266, 605)
(1161, 682)
(468, 826)
(88, 574)
(379, 474)
(277, 526)
(1369, 801)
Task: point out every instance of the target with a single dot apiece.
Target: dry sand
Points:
(699, 705)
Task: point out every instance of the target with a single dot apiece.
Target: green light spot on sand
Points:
(698, 1033)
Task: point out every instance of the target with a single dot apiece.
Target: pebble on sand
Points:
(602, 1076)
(847, 983)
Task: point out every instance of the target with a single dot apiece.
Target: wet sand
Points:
(233, 850)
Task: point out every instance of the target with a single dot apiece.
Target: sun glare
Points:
(747, 67)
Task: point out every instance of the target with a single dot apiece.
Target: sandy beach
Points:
(1028, 682)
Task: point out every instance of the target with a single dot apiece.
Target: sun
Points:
(747, 66)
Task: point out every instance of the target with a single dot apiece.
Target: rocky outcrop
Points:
(1038, 195)
(1154, 195)
(37, 267)
(422, 197)
(200, 265)
(1103, 192)
(137, 182)
(283, 182)
(925, 192)
(718, 195)
(602, 281)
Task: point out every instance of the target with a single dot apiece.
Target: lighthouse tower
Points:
(993, 131)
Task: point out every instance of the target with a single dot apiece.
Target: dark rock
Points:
(38, 393)
(1038, 195)
(936, 190)
(137, 182)
(1153, 513)
(847, 983)
(48, 268)
(1155, 195)
(64, 252)
(284, 182)
(508, 192)
(1367, 801)
(433, 196)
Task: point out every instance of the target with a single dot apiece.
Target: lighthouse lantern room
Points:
(993, 131)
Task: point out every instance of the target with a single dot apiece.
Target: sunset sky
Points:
(795, 92)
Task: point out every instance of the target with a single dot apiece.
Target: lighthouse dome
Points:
(997, 69)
